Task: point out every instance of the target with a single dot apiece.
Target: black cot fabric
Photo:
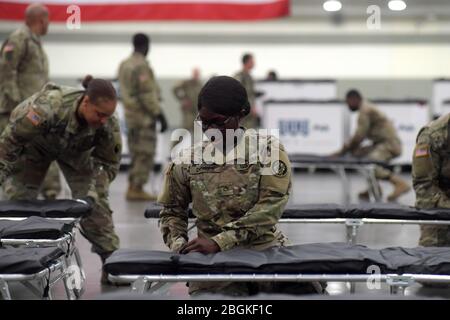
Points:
(130, 261)
(342, 160)
(319, 258)
(154, 209)
(314, 211)
(353, 211)
(334, 258)
(421, 260)
(34, 228)
(27, 260)
(364, 210)
(44, 208)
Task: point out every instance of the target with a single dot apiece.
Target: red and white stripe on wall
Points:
(141, 10)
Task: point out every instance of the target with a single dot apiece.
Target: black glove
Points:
(162, 120)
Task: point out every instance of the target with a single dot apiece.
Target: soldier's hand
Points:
(162, 120)
(201, 245)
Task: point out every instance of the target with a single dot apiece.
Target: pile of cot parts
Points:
(37, 246)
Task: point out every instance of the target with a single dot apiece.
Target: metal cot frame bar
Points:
(65, 243)
(397, 282)
(41, 277)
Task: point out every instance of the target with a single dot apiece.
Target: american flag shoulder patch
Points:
(8, 48)
(34, 117)
(422, 150)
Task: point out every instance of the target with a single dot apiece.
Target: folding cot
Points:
(45, 224)
(337, 262)
(353, 216)
(39, 269)
(340, 165)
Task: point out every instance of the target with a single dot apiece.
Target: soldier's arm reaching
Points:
(425, 171)
(264, 215)
(175, 197)
(28, 120)
(11, 55)
(359, 135)
(106, 155)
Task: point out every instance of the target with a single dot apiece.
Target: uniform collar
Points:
(239, 153)
(73, 125)
(33, 36)
(138, 54)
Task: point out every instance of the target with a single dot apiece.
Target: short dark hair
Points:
(353, 93)
(224, 95)
(140, 40)
(246, 57)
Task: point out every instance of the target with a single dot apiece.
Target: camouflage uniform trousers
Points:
(142, 146)
(98, 226)
(242, 289)
(188, 118)
(434, 236)
(51, 183)
(379, 152)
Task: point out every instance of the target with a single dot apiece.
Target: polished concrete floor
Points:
(137, 232)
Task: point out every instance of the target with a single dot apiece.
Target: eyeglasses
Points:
(206, 124)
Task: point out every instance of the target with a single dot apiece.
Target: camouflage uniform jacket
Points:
(47, 125)
(23, 68)
(139, 91)
(431, 165)
(375, 126)
(247, 81)
(237, 202)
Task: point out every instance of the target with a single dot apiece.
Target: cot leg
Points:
(79, 264)
(352, 232)
(374, 189)
(352, 287)
(397, 290)
(345, 184)
(159, 287)
(69, 287)
(4, 290)
(352, 228)
(141, 285)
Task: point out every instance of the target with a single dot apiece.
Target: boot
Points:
(138, 194)
(364, 195)
(400, 187)
(50, 194)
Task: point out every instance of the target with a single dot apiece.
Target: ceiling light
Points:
(397, 5)
(332, 5)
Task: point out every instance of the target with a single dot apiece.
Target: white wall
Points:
(70, 59)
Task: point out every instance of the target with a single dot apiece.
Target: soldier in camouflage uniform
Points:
(386, 145)
(237, 204)
(141, 98)
(431, 177)
(244, 76)
(23, 71)
(77, 129)
(187, 93)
